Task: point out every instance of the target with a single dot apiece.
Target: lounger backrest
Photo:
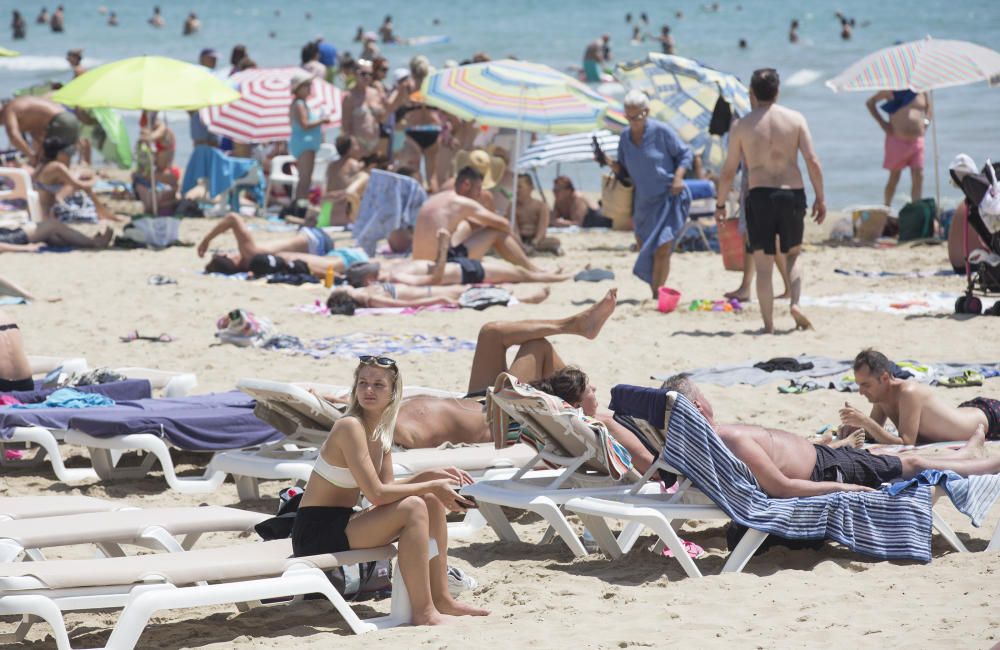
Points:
(869, 522)
(548, 423)
(292, 410)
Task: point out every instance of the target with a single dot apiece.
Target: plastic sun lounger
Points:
(579, 473)
(662, 513)
(142, 585)
(154, 528)
(306, 419)
(46, 439)
(28, 507)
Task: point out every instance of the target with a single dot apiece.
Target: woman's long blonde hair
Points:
(387, 423)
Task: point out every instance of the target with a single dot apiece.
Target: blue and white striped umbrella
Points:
(559, 149)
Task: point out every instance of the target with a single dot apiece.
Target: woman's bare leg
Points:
(56, 233)
(497, 271)
(438, 568)
(530, 295)
(496, 337)
(305, 163)
(536, 359)
(408, 520)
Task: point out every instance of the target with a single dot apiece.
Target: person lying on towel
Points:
(919, 415)
(786, 465)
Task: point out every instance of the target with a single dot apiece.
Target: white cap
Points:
(300, 77)
(962, 165)
(400, 73)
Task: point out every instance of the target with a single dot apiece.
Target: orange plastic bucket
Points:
(731, 244)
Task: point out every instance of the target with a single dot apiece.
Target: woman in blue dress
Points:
(307, 133)
(656, 159)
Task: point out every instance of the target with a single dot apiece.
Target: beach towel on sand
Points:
(874, 523)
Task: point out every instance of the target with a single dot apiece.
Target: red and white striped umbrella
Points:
(261, 113)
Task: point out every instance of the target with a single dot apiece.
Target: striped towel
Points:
(973, 496)
(874, 523)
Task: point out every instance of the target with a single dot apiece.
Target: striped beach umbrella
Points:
(920, 66)
(261, 112)
(516, 94)
(570, 148)
(685, 93)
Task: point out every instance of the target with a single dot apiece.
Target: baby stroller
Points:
(982, 277)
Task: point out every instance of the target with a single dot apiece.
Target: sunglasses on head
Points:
(381, 362)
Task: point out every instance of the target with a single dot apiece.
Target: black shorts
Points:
(13, 236)
(472, 270)
(9, 385)
(459, 250)
(774, 212)
(320, 529)
(849, 465)
(594, 219)
(991, 409)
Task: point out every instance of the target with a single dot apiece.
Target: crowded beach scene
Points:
(544, 324)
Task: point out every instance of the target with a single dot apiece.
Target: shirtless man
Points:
(919, 415)
(345, 179)
(75, 59)
(474, 229)
(311, 246)
(532, 218)
(770, 138)
(787, 465)
(39, 118)
(909, 115)
(572, 208)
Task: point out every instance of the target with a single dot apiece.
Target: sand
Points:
(539, 594)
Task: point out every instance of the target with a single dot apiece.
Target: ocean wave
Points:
(802, 77)
(34, 63)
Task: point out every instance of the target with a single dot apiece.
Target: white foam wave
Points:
(31, 63)
(802, 77)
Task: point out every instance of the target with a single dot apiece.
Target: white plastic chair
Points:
(279, 177)
(22, 190)
(327, 154)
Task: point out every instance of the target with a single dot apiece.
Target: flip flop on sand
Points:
(135, 336)
(967, 378)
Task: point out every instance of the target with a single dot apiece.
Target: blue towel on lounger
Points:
(69, 398)
(647, 404)
(973, 496)
(222, 172)
(119, 391)
(874, 523)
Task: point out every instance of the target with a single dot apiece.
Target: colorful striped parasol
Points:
(921, 66)
(684, 94)
(261, 112)
(516, 94)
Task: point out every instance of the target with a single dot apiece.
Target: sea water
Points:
(556, 32)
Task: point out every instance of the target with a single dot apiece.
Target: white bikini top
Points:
(339, 476)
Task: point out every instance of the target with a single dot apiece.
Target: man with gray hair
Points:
(770, 139)
(656, 159)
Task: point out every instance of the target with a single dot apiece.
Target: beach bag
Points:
(989, 207)
(480, 298)
(78, 207)
(916, 220)
(355, 582)
(243, 329)
(616, 201)
(152, 232)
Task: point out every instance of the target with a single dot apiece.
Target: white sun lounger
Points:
(47, 441)
(28, 507)
(142, 585)
(155, 528)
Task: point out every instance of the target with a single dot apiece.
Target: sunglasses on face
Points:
(381, 362)
(364, 74)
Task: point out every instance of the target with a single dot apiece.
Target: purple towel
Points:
(200, 423)
(119, 391)
(649, 404)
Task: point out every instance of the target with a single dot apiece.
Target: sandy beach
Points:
(540, 595)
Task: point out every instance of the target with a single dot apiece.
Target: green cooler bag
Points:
(916, 220)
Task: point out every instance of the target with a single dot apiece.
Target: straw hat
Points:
(300, 77)
(491, 167)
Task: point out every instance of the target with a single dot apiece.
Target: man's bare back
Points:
(769, 137)
(442, 210)
(425, 421)
(915, 404)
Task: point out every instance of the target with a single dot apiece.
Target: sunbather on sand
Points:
(919, 415)
(310, 245)
(32, 237)
(345, 300)
(15, 370)
(357, 458)
(786, 465)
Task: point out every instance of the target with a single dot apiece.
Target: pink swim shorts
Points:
(900, 153)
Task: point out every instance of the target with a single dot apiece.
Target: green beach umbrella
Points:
(152, 83)
(5, 52)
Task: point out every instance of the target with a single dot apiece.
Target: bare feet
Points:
(588, 323)
(739, 294)
(783, 296)
(103, 239)
(801, 322)
(532, 296)
(855, 439)
(976, 447)
(455, 608)
(434, 618)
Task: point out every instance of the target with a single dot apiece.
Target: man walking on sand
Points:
(770, 139)
(909, 114)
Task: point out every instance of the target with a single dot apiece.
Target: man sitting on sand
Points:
(345, 181)
(474, 230)
(532, 218)
(786, 465)
(919, 415)
(312, 246)
(572, 208)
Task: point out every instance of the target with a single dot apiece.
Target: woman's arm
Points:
(68, 178)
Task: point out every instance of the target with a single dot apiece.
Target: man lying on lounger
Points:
(786, 465)
(920, 416)
(312, 246)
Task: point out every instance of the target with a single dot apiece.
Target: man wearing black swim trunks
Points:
(770, 139)
(787, 465)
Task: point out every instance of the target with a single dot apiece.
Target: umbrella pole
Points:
(513, 162)
(937, 175)
(152, 180)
